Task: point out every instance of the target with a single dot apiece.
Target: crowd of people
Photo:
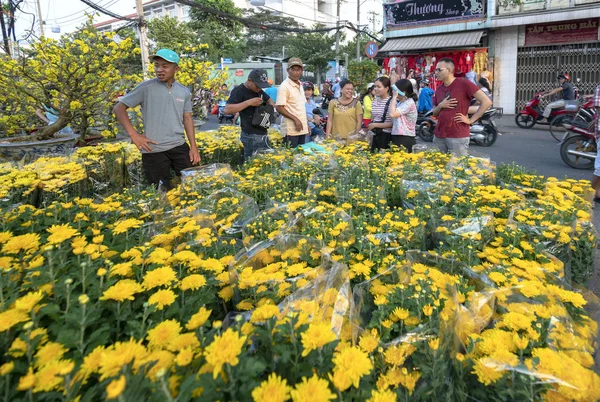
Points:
(387, 112)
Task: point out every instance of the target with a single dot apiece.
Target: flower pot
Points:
(61, 144)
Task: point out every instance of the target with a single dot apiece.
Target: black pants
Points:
(404, 141)
(295, 140)
(381, 141)
(157, 166)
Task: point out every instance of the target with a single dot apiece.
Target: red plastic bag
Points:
(215, 110)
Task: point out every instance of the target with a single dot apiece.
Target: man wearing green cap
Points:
(167, 113)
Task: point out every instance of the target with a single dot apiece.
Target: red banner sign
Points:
(562, 32)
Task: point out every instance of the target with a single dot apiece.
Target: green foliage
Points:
(315, 49)
(268, 42)
(223, 34)
(362, 72)
(168, 32)
(78, 76)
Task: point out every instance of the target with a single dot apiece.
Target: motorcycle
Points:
(579, 148)
(222, 117)
(532, 113)
(424, 130)
(323, 123)
(483, 132)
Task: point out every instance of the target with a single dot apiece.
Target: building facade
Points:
(152, 9)
(520, 48)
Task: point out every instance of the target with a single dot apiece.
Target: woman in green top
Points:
(345, 113)
(367, 102)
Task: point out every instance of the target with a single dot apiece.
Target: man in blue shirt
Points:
(313, 120)
(337, 90)
(425, 97)
(271, 91)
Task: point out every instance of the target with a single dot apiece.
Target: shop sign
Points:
(403, 13)
(562, 32)
(239, 73)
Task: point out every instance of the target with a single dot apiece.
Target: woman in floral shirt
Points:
(404, 115)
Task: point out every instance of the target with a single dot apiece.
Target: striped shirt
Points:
(377, 112)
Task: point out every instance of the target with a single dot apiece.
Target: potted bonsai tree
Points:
(73, 81)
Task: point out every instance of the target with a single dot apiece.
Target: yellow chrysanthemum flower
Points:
(274, 389)
(163, 334)
(225, 349)
(123, 290)
(115, 387)
(316, 336)
(198, 319)
(314, 389)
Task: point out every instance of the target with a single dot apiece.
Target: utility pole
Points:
(358, 32)
(39, 10)
(337, 40)
(143, 36)
(373, 19)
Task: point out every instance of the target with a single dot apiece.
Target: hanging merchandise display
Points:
(467, 61)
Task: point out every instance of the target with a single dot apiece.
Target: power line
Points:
(295, 16)
(105, 11)
(78, 13)
(251, 23)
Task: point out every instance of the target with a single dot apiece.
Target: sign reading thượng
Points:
(413, 12)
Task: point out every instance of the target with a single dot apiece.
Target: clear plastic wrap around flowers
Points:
(421, 189)
(330, 224)
(546, 226)
(472, 171)
(534, 342)
(206, 179)
(271, 223)
(471, 279)
(230, 210)
(326, 298)
(273, 269)
(461, 237)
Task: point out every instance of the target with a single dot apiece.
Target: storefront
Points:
(467, 48)
(547, 49)
(471, 57)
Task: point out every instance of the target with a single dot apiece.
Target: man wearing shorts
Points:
(167, 113)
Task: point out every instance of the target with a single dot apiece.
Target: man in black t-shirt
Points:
(568, 93)
(243, 100)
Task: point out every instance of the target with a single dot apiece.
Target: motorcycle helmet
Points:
(308, 85)
(565, 76)
(370, 86)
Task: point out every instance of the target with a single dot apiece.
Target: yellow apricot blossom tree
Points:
(76, 78)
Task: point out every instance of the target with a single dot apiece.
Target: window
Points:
(170, 10)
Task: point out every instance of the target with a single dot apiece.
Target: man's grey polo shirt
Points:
(162, 111)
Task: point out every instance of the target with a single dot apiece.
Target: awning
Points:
(439, 41)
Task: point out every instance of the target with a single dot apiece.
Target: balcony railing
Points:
(539, 5)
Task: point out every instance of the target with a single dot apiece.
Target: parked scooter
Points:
(227, 118)
(483, 132)
(532, 113)
(578, 148)
(424, 129)
(319, 113)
